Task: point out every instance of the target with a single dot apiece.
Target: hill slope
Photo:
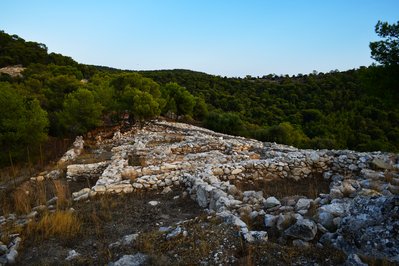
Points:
(355, 109)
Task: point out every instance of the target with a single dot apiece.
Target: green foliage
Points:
(80, 112)
(200, 110)
(144, 105)
(23, 123)
(140, 104)
(286, 133)
(331, 109)
(229, 123)
(178, 100)
(139, 96)
(15, 50)
(386, 51)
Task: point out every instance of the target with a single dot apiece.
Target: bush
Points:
(229, 123)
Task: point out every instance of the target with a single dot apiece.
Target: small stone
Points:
(11, 256)
(32, 214)
(3, 249)
(381, 164)
(303, 204)
(285, 220)
(326, 219)
(129, 239)
(168, 182)
(137, 185)
(336, 209)
(354, 260)
(270, 220)
(300, 243)
(336, 193)
(218, 171)
(153, 203)
(166, 190)
(176, 232)
(131, 260)
(39, 178)
(72, 254)
(271, 202)
(256, 236)
(236, 171)
(327, 175)
(165, 229)
(347, 189)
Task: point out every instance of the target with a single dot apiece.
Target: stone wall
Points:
(163, 155)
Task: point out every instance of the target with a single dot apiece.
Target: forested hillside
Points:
(356, 109)
(56, 96)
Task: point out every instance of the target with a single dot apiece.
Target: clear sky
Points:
(222, 37)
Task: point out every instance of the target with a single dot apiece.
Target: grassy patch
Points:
(61, 224)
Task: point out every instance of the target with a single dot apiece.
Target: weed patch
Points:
(61, 224)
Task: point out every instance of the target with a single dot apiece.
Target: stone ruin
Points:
(359, 212)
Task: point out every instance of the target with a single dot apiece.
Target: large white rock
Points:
(137, 259)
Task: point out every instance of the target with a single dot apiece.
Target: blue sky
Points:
(221, 37)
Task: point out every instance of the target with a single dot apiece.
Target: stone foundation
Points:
(210, 165)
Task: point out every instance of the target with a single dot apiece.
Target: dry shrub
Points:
(5, 205)
(62, 224)
(62, 192)
(22, 200)
(96, 221)
(40, 192)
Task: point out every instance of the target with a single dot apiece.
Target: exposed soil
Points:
(106, 219)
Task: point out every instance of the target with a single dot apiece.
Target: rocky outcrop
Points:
(371, 228)
(13, 71)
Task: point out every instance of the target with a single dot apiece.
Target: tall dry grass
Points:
(22, 200)
(61, 224)
(61, 191)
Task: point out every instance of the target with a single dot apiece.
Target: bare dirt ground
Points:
(207, 240)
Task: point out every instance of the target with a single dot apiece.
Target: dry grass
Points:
(309, 187)
(31, 194)
(376, 262)
(39, 193)
(61, 224)
(22, 200)
(8, 230)
(61, 191)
